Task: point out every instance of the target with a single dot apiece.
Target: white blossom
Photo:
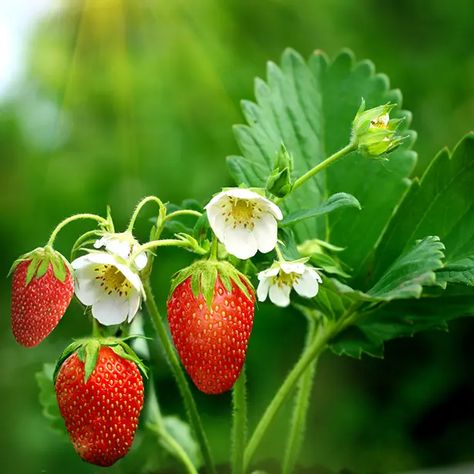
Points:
(107, 284)
(124, 245)
(244, 221)
(278, 280)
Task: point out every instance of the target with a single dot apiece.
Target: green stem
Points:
(139, 207)
(324, 164)
(157, 426)
(76, 217)
(279, 254)
(96, 332)
(239, 425)
(300, 408)
(317, 346)
(178, 373)
(183, 212)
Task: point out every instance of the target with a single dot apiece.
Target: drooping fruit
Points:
(99, 390)
(210, 314)
(42, 288)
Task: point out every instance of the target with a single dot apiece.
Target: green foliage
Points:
(47, 398)
(395, 245)
(336, 201)
(439, 204)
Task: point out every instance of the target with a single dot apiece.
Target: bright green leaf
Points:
(310, 106)
(336, 201)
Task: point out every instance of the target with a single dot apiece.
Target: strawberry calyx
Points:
(40, 259)
(204, 273)
(88, 352)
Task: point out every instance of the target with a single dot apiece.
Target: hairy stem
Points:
(300, 408)
(139, 207)
(183, 212)
(324, 164)
(191, 409)
(309, 355)
(157, 426)
(76, 217)
(239, 423)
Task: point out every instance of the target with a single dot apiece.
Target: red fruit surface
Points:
(211, 342)
(38, 307)
(101, 415)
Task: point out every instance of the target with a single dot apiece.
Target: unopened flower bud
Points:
(374, 132)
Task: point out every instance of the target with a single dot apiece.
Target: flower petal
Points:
(141, 261)
(293, 267)
(269, 272)
(131, 276)
(133, 305)
(118, 247)
(262, 289)
(307, 284)
(273, 209)
(242, 193)
(86, 291)
(240, 242)
(280, 295)
(266, 233)
(110, 309)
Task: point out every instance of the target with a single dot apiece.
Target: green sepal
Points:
(204, 273)
(40, 259)
(91, 355)
(88, 349)
(279, 182)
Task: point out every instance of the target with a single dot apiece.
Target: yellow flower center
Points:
(112, 280)
(241, 212)
(380, 122)
(285, 279)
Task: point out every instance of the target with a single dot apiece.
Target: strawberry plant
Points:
(325, 219)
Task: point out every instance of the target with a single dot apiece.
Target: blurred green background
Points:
(118, 99)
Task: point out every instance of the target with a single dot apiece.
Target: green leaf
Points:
(457, 271)
(440, 204)
(413, 269)
(403, 318)
(47, 398)
(336, 201)
(310, 107)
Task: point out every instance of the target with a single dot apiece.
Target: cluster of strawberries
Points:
(98, 383)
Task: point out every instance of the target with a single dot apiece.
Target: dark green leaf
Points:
(413, 269)
(440, 204)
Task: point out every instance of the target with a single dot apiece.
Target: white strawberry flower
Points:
(244, 221)
(109, 285)
(124, 245)
(278, 280)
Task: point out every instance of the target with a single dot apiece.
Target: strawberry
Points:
(100, 396)
(210, 315)
(42, 288)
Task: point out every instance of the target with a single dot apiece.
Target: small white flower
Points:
(278, 280)
(244, 221)
(107, 284)
(122, 244)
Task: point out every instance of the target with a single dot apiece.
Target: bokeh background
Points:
(106, 101)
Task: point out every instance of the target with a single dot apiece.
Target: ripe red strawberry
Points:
(210, 314)
(101, 410)
(42, 288)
